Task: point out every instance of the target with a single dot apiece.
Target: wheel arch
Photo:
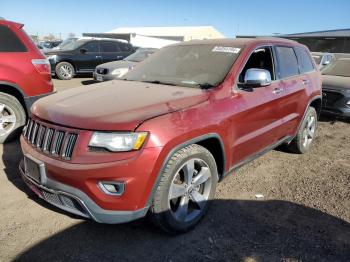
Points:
(317, 104)
(67, 61)
(212, 142)
(13, 90)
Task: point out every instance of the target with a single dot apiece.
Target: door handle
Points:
(119, 57)
(98, 56)
(277, 90)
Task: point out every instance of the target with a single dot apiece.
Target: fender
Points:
(314, 98)
(178, 147)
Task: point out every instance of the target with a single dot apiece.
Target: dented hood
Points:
(115, 105)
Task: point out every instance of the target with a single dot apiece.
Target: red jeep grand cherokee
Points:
(25, 76)
(158, 141)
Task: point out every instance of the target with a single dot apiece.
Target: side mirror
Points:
(255, 77)
(83, 50)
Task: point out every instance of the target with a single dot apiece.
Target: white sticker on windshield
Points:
(226, 49)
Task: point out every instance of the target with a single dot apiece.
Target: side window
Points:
(91, 47)
(287, 62)
(261, 58)
(304, 59)
(110, 47)
(125, 47)
(9, 42)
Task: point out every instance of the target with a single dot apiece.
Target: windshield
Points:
(340, 67)
(140, 55)
(71, 44)
(204, 65)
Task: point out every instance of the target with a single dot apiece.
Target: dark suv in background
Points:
(25, 76)
(83, 55)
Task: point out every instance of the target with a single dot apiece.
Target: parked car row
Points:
(117, 69)
(157, 141)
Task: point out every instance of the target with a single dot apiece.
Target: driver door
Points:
(255, 123)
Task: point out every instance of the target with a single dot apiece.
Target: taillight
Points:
(42, 66)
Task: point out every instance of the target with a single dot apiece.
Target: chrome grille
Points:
(51, 141)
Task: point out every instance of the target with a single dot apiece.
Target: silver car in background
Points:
(117, 69)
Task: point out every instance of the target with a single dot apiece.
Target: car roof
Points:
(10, 23)
(239, 41)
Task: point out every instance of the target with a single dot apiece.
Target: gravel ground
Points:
(303, 216)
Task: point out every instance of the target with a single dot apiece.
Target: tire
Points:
(65, 71)
(177, 207)
(12, 118)
(306, 133)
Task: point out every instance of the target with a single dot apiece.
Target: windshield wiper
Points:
(205, 85)
(159, 83)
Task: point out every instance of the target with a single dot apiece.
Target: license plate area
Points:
(34, 169)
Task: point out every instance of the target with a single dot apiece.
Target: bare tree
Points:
(49, 37)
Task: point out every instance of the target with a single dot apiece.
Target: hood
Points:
(335, 82)
(115, 105)
(117, 64)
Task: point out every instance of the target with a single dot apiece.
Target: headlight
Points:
(119, 72)
(118, 142)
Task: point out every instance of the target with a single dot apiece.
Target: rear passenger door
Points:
(111, 51)
(292, 86)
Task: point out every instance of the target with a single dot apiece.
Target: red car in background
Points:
(25, 76)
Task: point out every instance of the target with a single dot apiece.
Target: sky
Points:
(230, 17)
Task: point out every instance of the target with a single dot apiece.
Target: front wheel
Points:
(187, 185)
(306, 133)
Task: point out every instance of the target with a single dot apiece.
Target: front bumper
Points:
(101, 78)
(335, 102)
(82, 180)
(77, 202)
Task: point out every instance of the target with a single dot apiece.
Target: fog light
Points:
(112, 188)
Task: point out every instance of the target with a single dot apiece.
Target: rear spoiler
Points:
(18, 25)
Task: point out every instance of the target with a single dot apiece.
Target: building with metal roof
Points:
(332, 41)
(160, 36)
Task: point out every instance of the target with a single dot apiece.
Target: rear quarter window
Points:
(287, 62)
(110, 47)
(9, 42)
(304, 60)
(125, 47)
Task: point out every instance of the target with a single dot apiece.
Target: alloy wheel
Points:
(190, 190)
(7, 119)
(309, 131)
(66, 71)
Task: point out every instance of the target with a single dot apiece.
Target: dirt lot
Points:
(304, 215)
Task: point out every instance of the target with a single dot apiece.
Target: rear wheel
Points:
(187, 185)
(306, 133)
(65, 71)
(12, 117)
